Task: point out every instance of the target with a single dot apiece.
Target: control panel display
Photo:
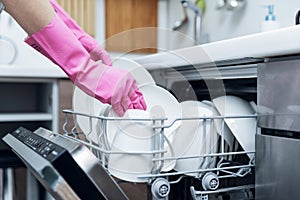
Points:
(43, 147)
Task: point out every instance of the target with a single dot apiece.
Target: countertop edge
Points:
(280, 42)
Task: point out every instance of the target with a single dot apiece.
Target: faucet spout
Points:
(192, 6)
(198, 19)
(1, 7)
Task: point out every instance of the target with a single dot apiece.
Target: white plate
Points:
(141, 75)
(129, 167)
(84, 103)
(129, 133)
(158, 97)
(221, 126)
(8, 50)
(244, 129)
(155, 97)
(132, 136)
(223, 131)
(192, 140)
(186, 133)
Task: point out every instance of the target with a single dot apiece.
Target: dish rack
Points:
(159, 181)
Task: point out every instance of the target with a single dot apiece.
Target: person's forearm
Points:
(32, 15)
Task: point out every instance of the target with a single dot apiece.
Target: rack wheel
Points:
(160, 188)
(210, 181)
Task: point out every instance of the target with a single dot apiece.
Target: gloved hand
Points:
(107, 84)
(88, 42)
(115, 86)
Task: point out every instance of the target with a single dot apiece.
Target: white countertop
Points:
(17, 71)
(285, 41)
(26, 62)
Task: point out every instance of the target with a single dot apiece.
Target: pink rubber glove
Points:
(88, 42)
(107, 84)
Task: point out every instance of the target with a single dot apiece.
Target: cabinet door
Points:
(82, 11)
(122, 19)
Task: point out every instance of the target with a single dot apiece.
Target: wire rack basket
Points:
(213, 167)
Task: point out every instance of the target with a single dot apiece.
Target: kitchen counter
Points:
(42, 71)
(281, 42)
(23, 61)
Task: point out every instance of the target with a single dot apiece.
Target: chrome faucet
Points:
(231, 5)
(198, 19)
(1, 7)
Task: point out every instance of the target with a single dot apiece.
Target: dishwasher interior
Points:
(202, 84)
(230, 174)
(240, 184)
(225, 173)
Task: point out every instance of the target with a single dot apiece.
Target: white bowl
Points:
(160, 103)
(84, 103)
(131, 136)
(244, 129)
(129, 167)
(195, 138)
(130, 133)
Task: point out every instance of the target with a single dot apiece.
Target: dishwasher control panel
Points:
(46, 153)
(43, 147)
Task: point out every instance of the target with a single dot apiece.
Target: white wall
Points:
(224, 24)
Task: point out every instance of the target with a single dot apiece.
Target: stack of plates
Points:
(196, 138)
(243, 129)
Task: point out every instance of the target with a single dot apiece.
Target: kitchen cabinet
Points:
(28, 102)
(122, 18)
(34, 102)
(82, 11)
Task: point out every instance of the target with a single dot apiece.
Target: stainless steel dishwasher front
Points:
(277, 168)
(278, 146)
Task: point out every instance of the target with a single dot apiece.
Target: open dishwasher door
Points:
(67, 169)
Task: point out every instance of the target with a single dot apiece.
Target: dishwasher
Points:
(71, 166)
(278, 144)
